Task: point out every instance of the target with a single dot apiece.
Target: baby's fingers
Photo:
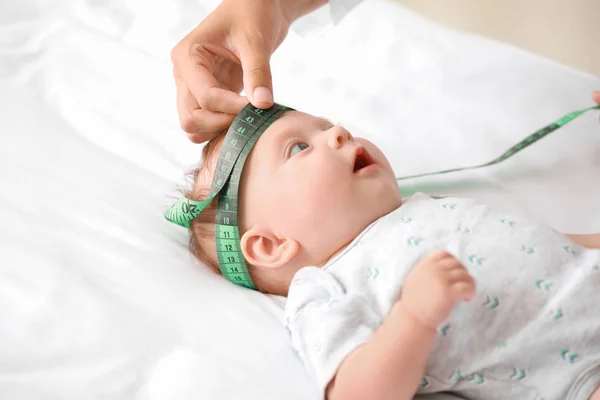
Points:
(458, 274)
(437, 255)
(464, 288)
(449, 264)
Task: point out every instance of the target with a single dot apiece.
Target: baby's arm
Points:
(392, 363)
(591, 241)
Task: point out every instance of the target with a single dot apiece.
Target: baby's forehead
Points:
(297, 121)
(299, 117)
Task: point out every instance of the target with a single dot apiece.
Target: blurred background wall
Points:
(567, 31)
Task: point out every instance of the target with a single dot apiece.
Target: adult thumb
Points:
(596, 96)
(258, 82)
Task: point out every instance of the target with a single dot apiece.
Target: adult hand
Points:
(230, 50)
(596, 96)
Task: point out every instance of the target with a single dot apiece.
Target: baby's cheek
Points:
(324, 206)
(304, 200)
(305, 205)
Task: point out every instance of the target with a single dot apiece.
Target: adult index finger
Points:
(194, 65)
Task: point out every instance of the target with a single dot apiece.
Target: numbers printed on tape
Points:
(241, 138)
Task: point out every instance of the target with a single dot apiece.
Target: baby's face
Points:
(312, 182)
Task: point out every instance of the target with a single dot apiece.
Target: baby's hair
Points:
(200, 226)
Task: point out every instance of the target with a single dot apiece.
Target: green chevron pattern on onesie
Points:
(476, 259)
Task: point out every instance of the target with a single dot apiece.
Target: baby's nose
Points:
(339, 136)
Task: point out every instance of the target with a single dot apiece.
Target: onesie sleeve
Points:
(326, 323)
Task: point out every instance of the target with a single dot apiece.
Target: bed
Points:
(99, 298)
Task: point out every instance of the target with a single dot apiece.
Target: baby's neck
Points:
(335, 253)
(278, 282)
(288, 273)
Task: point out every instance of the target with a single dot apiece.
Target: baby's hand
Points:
(434, 286)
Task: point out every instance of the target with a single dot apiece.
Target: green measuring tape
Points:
(528, 141)
(243, 133)
(241, 137)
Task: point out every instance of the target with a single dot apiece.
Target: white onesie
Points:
(532, 332)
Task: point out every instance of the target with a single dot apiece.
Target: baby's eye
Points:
(297, 148)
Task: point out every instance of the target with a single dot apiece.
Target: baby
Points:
(376, 283)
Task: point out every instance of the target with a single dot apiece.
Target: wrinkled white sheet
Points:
(99, 298)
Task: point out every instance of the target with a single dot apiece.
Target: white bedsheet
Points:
(99, 298)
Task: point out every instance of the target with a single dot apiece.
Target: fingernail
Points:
(263, 94)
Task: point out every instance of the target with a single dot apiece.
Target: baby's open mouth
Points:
(362, 159)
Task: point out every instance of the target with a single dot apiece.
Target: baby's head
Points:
(308, 188)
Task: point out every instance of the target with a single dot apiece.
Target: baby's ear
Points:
(263, 249)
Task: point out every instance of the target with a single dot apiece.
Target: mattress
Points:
(99, 297)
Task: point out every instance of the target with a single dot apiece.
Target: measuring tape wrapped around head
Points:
(242, 135)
